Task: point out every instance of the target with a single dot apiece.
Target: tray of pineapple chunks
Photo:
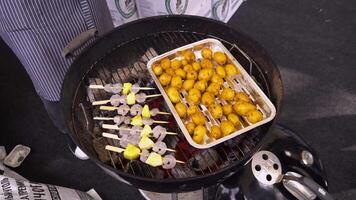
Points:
(210, 95)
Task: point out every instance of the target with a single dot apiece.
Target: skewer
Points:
(157, 131)
(129, 99)
(144, 143)
(118, 87)
(136, 109)
(154, 159)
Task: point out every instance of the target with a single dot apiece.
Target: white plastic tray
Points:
(242, 82)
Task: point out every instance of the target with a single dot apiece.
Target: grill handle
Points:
(78, 42)
(312, 185)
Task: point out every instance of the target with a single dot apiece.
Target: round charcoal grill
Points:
(121, 56)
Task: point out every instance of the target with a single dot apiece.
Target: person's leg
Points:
(55, 114)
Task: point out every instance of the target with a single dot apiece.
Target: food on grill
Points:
(145, 143)
(129, 99)
(220, 70)
(146, 131)
(170, 71)
(189, 56)
(161, 148)
(206, 53)
(243, 108)
(201, 85)
(206, 63)
(118, 87)
(241, 96)
(194, 96)
(192, 75)
(169, 162)
(215, 110)
(176, 82)
(154, 159)
(254, 116)
(198, 118)
(131, 152)
(213, 88)
(184, 62)
(220, 57)
(138, 110)
(231, 70)
(144, 155)
(196, 66)
(180, 72)
(199, 133)
(207, 91)
(227, 109)
(192, 109)
(157, 69)
(207, 98)
(206, 74)
(190, 127)
(165, 63)
(187, 68)
(165, 79)
(181, 109)
(227, 94)
(175, 64)
(227, 127)
(215, 132)
(188, 84)
(217, 79)
(173, 94)
(234, 119)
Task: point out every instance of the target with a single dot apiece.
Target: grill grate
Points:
(125, 63)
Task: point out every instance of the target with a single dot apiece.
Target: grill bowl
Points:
(132, 45)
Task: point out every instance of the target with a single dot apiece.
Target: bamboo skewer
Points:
(115, 137)
(115, 127)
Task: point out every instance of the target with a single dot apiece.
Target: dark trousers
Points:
(55, 114)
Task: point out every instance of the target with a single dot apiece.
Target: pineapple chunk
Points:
(137, 121)
(131, 99)
(146, 112)
(145, 143)
(146, 131)
(154, 159)
(131, 152)
(126, 88)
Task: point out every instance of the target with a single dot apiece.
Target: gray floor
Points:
(313, 43)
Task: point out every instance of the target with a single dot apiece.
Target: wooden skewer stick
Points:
(109, 108)
(103, 118)
(96, 86)
(114, 149)
(102, 102)
(120, 150)
(115, 127)
(153, 95)
(111, 136)
(102, 87)
(160, 122)
(164, 113)
(115, 137)
(146, 88)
